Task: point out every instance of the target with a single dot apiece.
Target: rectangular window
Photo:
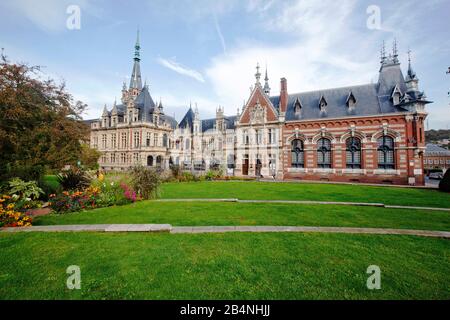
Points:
(113, 140)
(124, 140)
(104, 141)
(136, 139)
(149, 137)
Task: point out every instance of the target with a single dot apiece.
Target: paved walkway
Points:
(222, 229)
(366, 204)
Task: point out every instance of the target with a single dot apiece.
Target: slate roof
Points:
(145, 103)
(208, 124)
(188, 119)
(371, 99)
(433, 149)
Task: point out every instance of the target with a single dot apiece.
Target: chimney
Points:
(283, 95)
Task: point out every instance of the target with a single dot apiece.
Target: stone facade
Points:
(370, 133)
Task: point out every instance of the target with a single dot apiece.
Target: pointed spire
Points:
(266, 84)
(136, 79)
(257, 74)
(411, 75)
(137, 48)
(105, 111)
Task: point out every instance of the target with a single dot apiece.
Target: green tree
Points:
(40, 124)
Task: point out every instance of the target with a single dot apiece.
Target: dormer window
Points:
(297, 107)
(351, 101)
(396, 95)
(322, 104)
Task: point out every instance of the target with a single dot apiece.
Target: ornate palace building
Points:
(371, 133)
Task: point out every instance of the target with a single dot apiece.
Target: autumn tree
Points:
(40, 123)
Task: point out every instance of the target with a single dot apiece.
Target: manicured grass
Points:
(222, 266)
(222, 214)
(303, 191)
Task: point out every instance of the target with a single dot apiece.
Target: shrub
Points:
(214, 174)
(9, 216)
(444, 184)
(50, 185)
(74, 179)
(25, 190)
(145, 182)
(24, 172)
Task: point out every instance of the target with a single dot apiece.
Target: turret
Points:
(105, 117)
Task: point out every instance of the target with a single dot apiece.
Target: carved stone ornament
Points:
(257, 114)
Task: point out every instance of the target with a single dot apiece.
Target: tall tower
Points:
(136, 79)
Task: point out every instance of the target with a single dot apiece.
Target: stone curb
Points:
(222, 229)
(94, 228)
(363, 204)
(381, 231)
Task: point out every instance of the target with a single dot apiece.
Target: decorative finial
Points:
(383, 53)
(266, 84)
(137, 47)
(257, 74)
(411, 74)
(394, 51)
(266, 78)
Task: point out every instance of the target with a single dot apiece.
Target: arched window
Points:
(386, 159)
(297, 154)
(353, 153)
(324, 153)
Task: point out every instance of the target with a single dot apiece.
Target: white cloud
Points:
(173, 65)
(318, 56)
(219, 33)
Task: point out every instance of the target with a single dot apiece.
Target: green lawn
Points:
(222, 266)
(222, 214)
(238, 265)
(304, 191)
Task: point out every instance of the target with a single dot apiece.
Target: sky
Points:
(204, 52)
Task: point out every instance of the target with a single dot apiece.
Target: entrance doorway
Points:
(245, 167)
(150, 161)
(258, 167)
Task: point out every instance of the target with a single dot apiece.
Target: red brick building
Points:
(371, 133)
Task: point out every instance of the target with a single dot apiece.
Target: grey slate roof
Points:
(208, 124)
(433, 149)
(144, 101)
(188, 119)
(170, 120)
(371, 99)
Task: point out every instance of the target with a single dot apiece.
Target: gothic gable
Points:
(258, 109)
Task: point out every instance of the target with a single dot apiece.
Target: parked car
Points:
(436, 175)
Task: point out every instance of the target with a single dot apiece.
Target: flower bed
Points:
(9, 216)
